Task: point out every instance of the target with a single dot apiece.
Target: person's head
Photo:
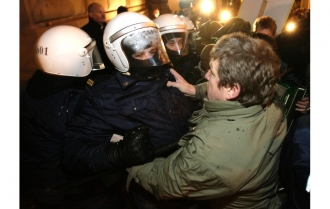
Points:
(242, 69)
(204, 35)
(174, 33)
(234, 24)
(68, 51)
(155, 13)
(96, 12)
(184, 7)
(271, 40)
(207, 29)
(205, 56)
(121, 9)
(265, 25)
(132, 41)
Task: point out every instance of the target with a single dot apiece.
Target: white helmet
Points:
(190, 25)
(174, 33)
(132, 40)
(68, 51)
(191, 33)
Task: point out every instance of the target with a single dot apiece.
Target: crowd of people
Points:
(142, 112)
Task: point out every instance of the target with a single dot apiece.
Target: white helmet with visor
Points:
(132, 40)
(68, 51)
(174, 33)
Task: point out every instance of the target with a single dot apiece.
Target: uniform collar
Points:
(95, 24)
(126, 81)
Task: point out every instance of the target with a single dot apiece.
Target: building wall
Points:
(305, 4)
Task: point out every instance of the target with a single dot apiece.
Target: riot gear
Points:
(68, 51)
(132, 41)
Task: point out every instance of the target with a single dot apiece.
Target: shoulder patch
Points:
(90, 82)
(96, 79)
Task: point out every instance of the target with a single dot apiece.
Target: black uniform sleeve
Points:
(83, 144)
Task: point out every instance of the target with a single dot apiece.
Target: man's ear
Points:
(233, 92)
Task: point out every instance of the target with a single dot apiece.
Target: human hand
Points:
(136, 148)
(301, 105)
(181, 84)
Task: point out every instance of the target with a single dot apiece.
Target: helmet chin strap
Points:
(148, 73)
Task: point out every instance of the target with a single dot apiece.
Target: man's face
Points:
(98, 14)
(156, 12)
(213, 91)
(146, 53)
(175, 44)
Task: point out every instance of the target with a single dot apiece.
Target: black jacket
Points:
(185, 66)
(295, 164)
(47, 104)
(95, 30)
(115, 105)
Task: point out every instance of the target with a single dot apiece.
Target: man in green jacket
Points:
(230, 156)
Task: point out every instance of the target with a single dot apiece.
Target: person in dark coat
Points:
(47, 104)
(204, 64)
(204, 35)
(95, 28)
(294, 50)
(295, 164)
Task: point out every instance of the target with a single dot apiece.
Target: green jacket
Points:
(230, 156)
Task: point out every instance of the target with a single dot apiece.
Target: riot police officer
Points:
(136, 95)
(175, 34)
(67, 57)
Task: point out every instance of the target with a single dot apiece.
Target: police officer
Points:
(137, 95)
(67, 57)
(175, 34)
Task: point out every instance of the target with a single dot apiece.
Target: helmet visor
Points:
(175, 43)
(192, 41)
(145, 49)
(94, 53)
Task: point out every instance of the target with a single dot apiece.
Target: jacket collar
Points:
(231, 109)
(126, 81)
(95, 24)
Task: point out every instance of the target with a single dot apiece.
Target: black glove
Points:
(135, 149)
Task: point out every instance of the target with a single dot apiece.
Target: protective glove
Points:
(136, 148)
